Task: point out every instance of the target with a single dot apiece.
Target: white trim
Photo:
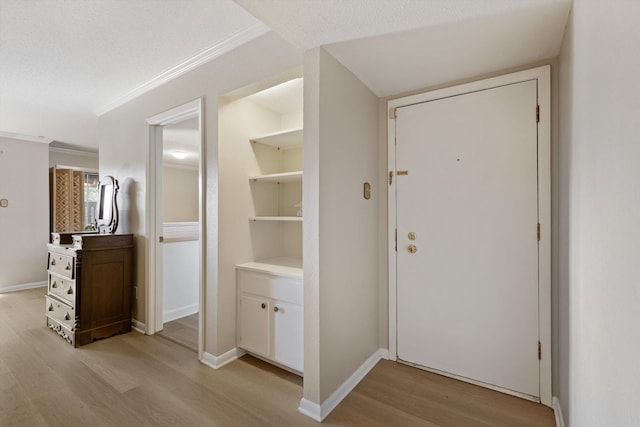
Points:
(557, 410)
(154, 204)
(235, 40)
(138, 326)
(543, 77)
(217, 362)
(320, 412)
(79, 153)
(310, 409)
(195, 108)
(179, 313)
(15, 288)
(77, 168)
(29, 138)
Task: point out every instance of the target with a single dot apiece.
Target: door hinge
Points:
(396, 240)
(537, 114)
(393, 113)
(538, 232)
(390, 177)
(539, 350)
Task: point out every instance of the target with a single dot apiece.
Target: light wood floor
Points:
(182, 331)
(138, 380)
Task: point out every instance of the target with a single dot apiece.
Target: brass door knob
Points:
(412, 249)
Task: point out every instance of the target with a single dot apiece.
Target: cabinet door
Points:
(288, 334)
(254, 324)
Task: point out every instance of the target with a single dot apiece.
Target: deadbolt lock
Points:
(412, 235)
(412, 249)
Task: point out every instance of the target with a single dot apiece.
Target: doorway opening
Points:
(176, 226)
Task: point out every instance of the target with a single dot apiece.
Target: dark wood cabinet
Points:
(90, 289)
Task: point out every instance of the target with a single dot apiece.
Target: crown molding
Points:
(91, 154)
(29, 138)
(233, 41)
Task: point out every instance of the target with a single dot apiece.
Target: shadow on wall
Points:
(129, 214)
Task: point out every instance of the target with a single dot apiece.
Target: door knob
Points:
(276, 309)
(412, 249)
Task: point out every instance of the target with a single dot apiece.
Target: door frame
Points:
(543, 77)
(154, 312)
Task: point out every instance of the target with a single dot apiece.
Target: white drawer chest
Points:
(270, 311)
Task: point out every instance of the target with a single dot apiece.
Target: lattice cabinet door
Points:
(66, 189)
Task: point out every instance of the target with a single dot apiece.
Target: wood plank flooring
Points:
(138, 380)
(182, 331)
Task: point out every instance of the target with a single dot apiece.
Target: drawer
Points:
(271, 286)
(61, 313)
(61, 264)
(65, 333)
(63, 288)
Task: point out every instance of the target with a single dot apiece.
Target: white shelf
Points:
(284, 139)
(276, 218)
(279, 177)
(279, 266)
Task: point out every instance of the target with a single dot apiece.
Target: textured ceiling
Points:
(311, 23)
(74, 57)
(406, 61)
(64, 62)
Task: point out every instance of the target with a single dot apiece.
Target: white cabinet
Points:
(270, 311)
(255, 313)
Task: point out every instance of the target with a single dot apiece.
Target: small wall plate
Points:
(367, 191)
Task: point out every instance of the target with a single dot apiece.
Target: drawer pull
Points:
(50, 307)
(70, 291)
(276, 309)
(67, 317)
(68, 267)
(54, 284)
(263, 305)
(53, 261)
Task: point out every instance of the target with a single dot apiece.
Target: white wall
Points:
(79, 159)
(600, 246)
(180, 279)
(342, 246)
(124, 152)
(180, 194)
(24, 224)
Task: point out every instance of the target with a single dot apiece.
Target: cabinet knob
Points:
(70, 291)
(54, 284)
(53, 261)
(68, 267)
(276, 309)
(263, 305)
(50, 307)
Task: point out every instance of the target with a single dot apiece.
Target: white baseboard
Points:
(557, 410)
(310, 409)
(216, 362)
(14, 288)
(178, 313)
(320, 412)
(138, 326)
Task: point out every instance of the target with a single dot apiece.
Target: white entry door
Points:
(467, 290)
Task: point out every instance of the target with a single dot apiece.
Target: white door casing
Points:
(478, 283)
(154, 311)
